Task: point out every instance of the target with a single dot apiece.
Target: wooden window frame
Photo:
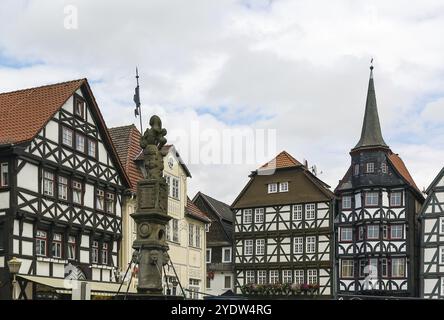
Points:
(104, 254)
(225, 282)
(371, 205)
(261, 275)
(384, 261)
(78, 99)
(401, 199)
(53, 181)
(223, 254)
(73, 188)
(245, 213)
(341, 234)
(391, 230)
(259, 212)
(95, 247)
(271, 189)
(248, 246)
(284, 183)
(347, 207)
(384, 167)
(256, 251)
(100, 195)
(287, 276)
(44, 239)
(95, 143)
(4, 165)
(377, 226)
(307, 205)
(300, 245)
(392, 265)
(79, 134)
(59, 184)
(72, 244)
(315, 274)
(273, 276)
(58, 243)
(352, 269)
(298, 214)
(299, 274)
(110, 198)
(307, 244)
(249, 274)
(72, 136)
(369, 165)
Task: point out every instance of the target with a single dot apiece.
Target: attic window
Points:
(79, 107)
(283, 187)
(384, 167)
(272, 188)
(370, 168)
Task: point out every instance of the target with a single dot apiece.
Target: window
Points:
(384, 267)
(71, 248)
(312, 276)
(167, 230)
(346, 202)
(226, 255)
(248, 213)
(48, 183)
(227, 282)
(79, 107)
(442, 225)
(40, 243)
(346, 234)
(80, 142)
(260, 246)
(283, 187)
(371, 198)
(95, 252)
(370, 167)
(396, 231)
(441, 255)
(248, 247)
(105, 253)
(109, 202)
(92, 148)
(4, 175)
(297, 212)
(77, 192)
(57, 245)
(191, 234)
(384, 167)
(249, 276)
(310, 211)
(299, 276)
(398, 268)
(261, 277)
(63, 188)
(175, 230)
(361, 233)
(310, 245)
(259, 215)
(194, 287)
(356, 170)
(175, 188)
(67, 136)
(373, 232)
(362, 265)
(298, 245)
(198, 236)
(287, 276)
(396, 199)
(272, 187)
(385, 232)
(347, 268)
(100, 200)
(274, 276)
(208, 256)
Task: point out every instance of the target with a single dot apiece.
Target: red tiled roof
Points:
(192, 210)
(402, 169)
(282, 160)
(126, 140)
(23, 113)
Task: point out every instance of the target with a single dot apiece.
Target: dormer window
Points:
(79, 107)
(283, 187)
(272, 188)
(384, 167)
(370, 167)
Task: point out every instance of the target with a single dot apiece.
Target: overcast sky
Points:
(299, 67)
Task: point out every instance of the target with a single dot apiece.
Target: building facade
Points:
(61, 192)
(219, 250)
(377, 226)
(432, 241)
(185, 233)
(283, 228)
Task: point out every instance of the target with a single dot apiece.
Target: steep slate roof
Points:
(126, 139)
(25, 112)
(223, 210)
(193, 211)
(371, 135)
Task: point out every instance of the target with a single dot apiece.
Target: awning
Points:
(65, 286)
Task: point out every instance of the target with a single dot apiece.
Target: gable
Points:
(301, 189)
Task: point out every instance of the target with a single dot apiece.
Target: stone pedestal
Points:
(151, 218)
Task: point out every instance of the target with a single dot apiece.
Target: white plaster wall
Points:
(89, 195)
(4, 200)
(28, 177)
(52, 131)
(27, 230)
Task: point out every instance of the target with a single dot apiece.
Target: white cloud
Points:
(300, 67)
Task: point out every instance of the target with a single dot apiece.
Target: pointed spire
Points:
(371, 135)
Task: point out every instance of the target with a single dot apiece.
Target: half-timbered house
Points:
(61, 192)
(185, 232)
(283, 227)
(219, 250)
(377, 221)
(432, 241)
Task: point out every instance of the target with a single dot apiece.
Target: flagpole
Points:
(138, 106)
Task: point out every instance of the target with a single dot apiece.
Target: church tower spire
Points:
(371, 135)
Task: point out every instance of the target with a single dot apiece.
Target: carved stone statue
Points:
(151, 213)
